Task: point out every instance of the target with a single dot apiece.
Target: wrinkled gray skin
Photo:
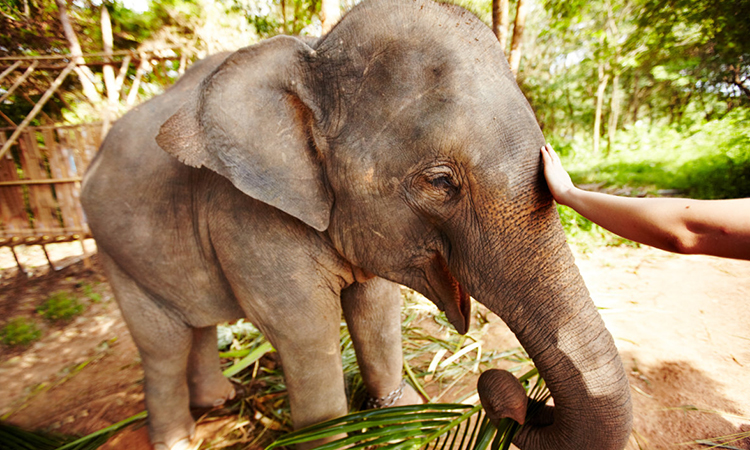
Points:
(398, 145)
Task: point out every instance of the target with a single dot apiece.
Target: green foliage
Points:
(19, 332)
(432, 425)
(15, 438)
(707, 37)
(585, 234)
(60, 306)
(272, 17)
(88, 291)
(725, 171)
(706, 160)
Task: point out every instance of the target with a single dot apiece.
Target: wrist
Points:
(566, 196)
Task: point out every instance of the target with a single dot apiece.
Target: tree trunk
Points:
(603, 79)
(109, 71)
(517, 42)
(283, 17)
(142, 68)
(571, 112)
(635, 101)
(500, 22)
(330, 13)
(110, 83)
(294, 18)
(84, 73)
(614, 113)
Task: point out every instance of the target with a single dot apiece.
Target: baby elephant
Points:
(287, 182)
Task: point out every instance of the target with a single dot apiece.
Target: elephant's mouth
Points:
(448, 294)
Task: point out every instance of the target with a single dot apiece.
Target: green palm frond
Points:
(15, 438)
(436, 426)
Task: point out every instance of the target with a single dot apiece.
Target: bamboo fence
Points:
(40, 184)
(41, 167)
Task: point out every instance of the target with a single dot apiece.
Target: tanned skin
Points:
(680, 225)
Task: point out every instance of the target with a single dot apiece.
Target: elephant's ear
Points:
(250, 122)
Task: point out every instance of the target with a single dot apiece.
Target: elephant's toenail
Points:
(160, 446)
(183, 444)
(219, 402)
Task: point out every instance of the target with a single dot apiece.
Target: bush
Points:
(708, 160)
(585, 234)
(60, 306)
(19, 331)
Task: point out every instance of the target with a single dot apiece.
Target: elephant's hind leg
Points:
(208, 386)
(164, 343)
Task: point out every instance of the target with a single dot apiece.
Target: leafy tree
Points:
(706, 41)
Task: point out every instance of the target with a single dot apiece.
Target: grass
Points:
(20, 331)
(60, 306)
(460, 357)
(263, 416)
(88, 292)
(249, 360)
(709, 160)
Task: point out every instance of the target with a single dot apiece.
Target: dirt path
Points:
(682, 325)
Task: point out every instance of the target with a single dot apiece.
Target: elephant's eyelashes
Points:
(443, 180)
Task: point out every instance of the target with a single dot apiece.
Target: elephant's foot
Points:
(212, 393)
(177, 438)
(182, 444)
(410, 397)
(404, 394)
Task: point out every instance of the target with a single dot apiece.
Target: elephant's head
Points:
(403, 135)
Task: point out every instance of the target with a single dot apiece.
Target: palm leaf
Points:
(435, 426)
(14, 438)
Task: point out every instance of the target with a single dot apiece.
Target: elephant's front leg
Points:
(311, 358)
(304, 326)
(373, 313)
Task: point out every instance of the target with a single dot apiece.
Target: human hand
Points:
(558, 180)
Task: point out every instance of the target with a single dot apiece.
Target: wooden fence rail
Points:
(40, 184)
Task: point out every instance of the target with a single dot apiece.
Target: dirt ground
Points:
(682, 324)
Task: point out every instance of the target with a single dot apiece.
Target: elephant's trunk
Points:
(544, 301)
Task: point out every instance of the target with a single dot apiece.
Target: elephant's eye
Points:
(444, 180)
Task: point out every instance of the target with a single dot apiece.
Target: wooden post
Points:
(46, 255)
(21, 270)
(41, 200)
(19, 81)
(86, 260)
(9, 70)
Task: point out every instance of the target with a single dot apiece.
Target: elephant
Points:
(292, 180)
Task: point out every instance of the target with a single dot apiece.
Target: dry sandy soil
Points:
(682, 324)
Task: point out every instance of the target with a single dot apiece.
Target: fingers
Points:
(550, 156)
(558, 180)
(548, 151)
(546, 156)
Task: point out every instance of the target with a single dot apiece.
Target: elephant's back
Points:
(129, 158)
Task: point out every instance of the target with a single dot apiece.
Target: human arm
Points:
(711, 227)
